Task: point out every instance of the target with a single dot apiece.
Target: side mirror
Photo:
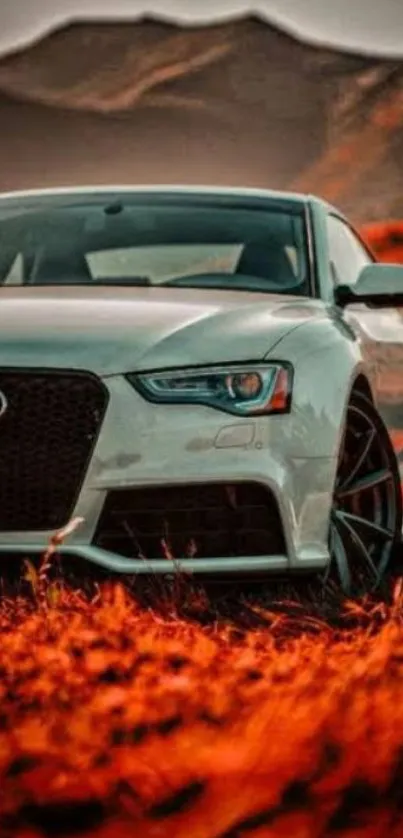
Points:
(379, 284)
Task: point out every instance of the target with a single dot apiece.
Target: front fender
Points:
(326, 363)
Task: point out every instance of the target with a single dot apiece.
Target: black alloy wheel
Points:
(366, 517)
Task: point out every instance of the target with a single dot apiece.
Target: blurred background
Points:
(248, 100)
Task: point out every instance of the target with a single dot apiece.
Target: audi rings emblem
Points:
(3, 404)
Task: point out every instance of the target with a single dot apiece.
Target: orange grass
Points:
(182, 720)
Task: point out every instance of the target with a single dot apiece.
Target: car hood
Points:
(116, 330)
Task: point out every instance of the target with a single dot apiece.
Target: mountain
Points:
(240, 103)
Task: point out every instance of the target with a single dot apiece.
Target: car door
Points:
(379, 330)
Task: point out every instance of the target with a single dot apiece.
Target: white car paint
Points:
(117, 330)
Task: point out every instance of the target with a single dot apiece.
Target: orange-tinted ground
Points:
(118, 719)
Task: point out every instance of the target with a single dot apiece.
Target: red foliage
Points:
(117, 721)
(385, 238)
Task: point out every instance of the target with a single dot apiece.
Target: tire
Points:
(366, 517)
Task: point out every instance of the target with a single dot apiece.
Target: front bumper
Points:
(120, 564)
(143, 445)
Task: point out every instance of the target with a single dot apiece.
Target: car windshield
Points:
(177, 241)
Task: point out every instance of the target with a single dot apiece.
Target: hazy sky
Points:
(372, 25)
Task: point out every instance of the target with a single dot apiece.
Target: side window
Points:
(347, 255)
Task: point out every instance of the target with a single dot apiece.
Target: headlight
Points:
(242, 390)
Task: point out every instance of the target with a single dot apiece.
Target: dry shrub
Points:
(385, 238)
(169, 713)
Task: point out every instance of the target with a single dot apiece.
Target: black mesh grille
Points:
(203, 521)
(47, 434)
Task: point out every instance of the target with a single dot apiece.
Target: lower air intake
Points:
(200, 521)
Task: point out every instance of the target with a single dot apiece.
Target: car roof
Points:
(236, 193)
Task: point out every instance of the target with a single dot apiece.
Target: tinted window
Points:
(148, 242)
(347, 254)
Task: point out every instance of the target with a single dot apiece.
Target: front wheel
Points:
(366, 516)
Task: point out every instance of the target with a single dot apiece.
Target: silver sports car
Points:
(211, 379)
